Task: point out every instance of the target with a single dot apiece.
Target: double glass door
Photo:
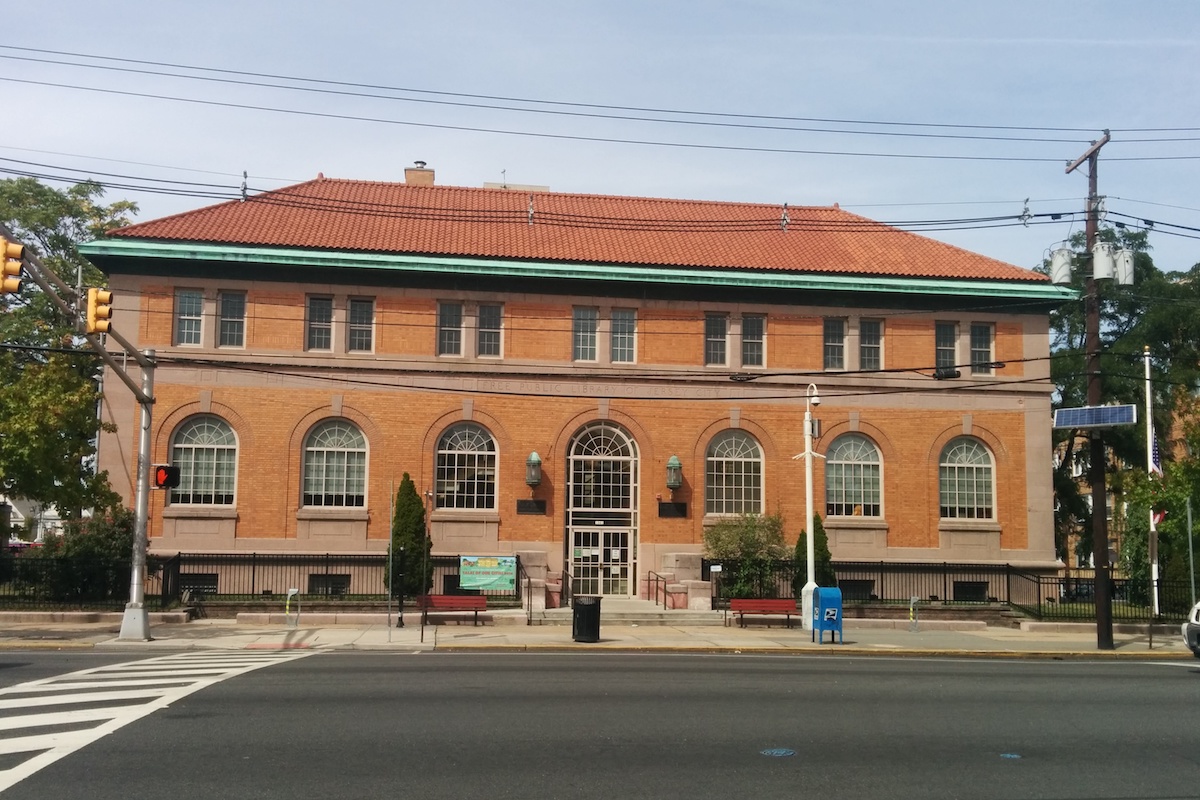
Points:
(601, 561)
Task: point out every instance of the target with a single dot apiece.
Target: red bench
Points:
(439, 603)
(743, 606)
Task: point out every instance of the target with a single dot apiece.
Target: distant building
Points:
(317, 342)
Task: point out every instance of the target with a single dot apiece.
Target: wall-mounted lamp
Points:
(533, 470)
(674, 473)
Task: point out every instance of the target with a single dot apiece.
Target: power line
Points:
(557, 136)
(565, 104)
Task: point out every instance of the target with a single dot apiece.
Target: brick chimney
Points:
(418, 175)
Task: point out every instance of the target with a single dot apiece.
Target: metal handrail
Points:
(654, 579)
(524, 576)
(567, 595)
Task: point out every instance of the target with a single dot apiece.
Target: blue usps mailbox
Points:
(827, 614)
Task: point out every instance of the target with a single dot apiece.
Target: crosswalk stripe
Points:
(164, 679)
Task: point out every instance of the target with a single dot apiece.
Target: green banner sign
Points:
(494, 573)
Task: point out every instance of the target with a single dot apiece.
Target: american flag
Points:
(1157, 516)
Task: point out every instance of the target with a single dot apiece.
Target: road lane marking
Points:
(163, 681)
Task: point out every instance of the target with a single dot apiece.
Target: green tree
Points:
(89, 563)
(751, 546)
(823, 572)
(48, 392)
(409, 533)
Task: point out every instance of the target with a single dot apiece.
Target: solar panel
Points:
(1095, 416)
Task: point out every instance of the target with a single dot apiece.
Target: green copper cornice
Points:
(119, 249)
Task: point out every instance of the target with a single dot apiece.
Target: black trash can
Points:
(585, 619)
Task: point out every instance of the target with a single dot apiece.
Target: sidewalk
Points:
(508, 633)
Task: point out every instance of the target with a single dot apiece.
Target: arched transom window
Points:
(852, 478)
(965, 481)
(205, 450)
(733, 475)
(466, 468)
(603, 464)
(335, 465)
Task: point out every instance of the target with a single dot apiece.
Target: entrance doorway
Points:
(602, 515)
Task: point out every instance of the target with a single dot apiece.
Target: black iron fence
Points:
(1044, 596)
(1048, 597)
(250, 577)
(47, 582)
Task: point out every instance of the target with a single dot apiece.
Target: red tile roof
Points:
(368, 216)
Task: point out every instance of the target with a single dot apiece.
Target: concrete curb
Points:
(835, 650)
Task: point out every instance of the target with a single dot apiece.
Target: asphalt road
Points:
(365, 725)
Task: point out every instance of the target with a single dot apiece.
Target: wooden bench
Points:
(440, 603)
(743, 606)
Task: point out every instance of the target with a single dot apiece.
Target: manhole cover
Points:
(779, 752)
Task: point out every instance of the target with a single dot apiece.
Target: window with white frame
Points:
(450, 329)
(487, 331)
(965, 480)
(320, 323)
(853, 485)
(754, 329)
(733, 474)
(835, 343)
(716, 339)
(360, 329)
(189, 314)
(623, 336)
(205, 450)
(466, 468)
(335, 465)
(585, 321)
(981, 348)
(870, 344)
(945, 344)
(231, 308)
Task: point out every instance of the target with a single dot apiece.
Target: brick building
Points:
(317, 342)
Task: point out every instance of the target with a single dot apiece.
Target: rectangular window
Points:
(946, 344)
(624, 330)
(360, 335)
(835, 344)
(189, 311)
(716, 327)
(981, 349)
(487, 339)
(450, 318)
(231, 307)
(870, 344)
(320, 323)
(753, 332)
(585, 321)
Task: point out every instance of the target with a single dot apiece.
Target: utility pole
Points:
(1096, 466)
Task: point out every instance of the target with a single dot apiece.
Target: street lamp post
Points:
(811, 398)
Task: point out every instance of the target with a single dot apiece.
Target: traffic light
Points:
(99, 310)
(11, 253)
(165, 476)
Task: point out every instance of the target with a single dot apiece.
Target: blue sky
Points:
(876, 71)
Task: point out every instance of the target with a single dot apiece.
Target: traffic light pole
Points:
(135, 625)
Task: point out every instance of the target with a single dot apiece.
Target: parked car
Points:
(1191, 630)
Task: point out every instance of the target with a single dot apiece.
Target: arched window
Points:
(335, 465)
(205, 450)
(733, 475)
(852, 478)
(466, 468)
(965, 481)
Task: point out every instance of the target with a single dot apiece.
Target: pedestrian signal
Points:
(166, 477)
